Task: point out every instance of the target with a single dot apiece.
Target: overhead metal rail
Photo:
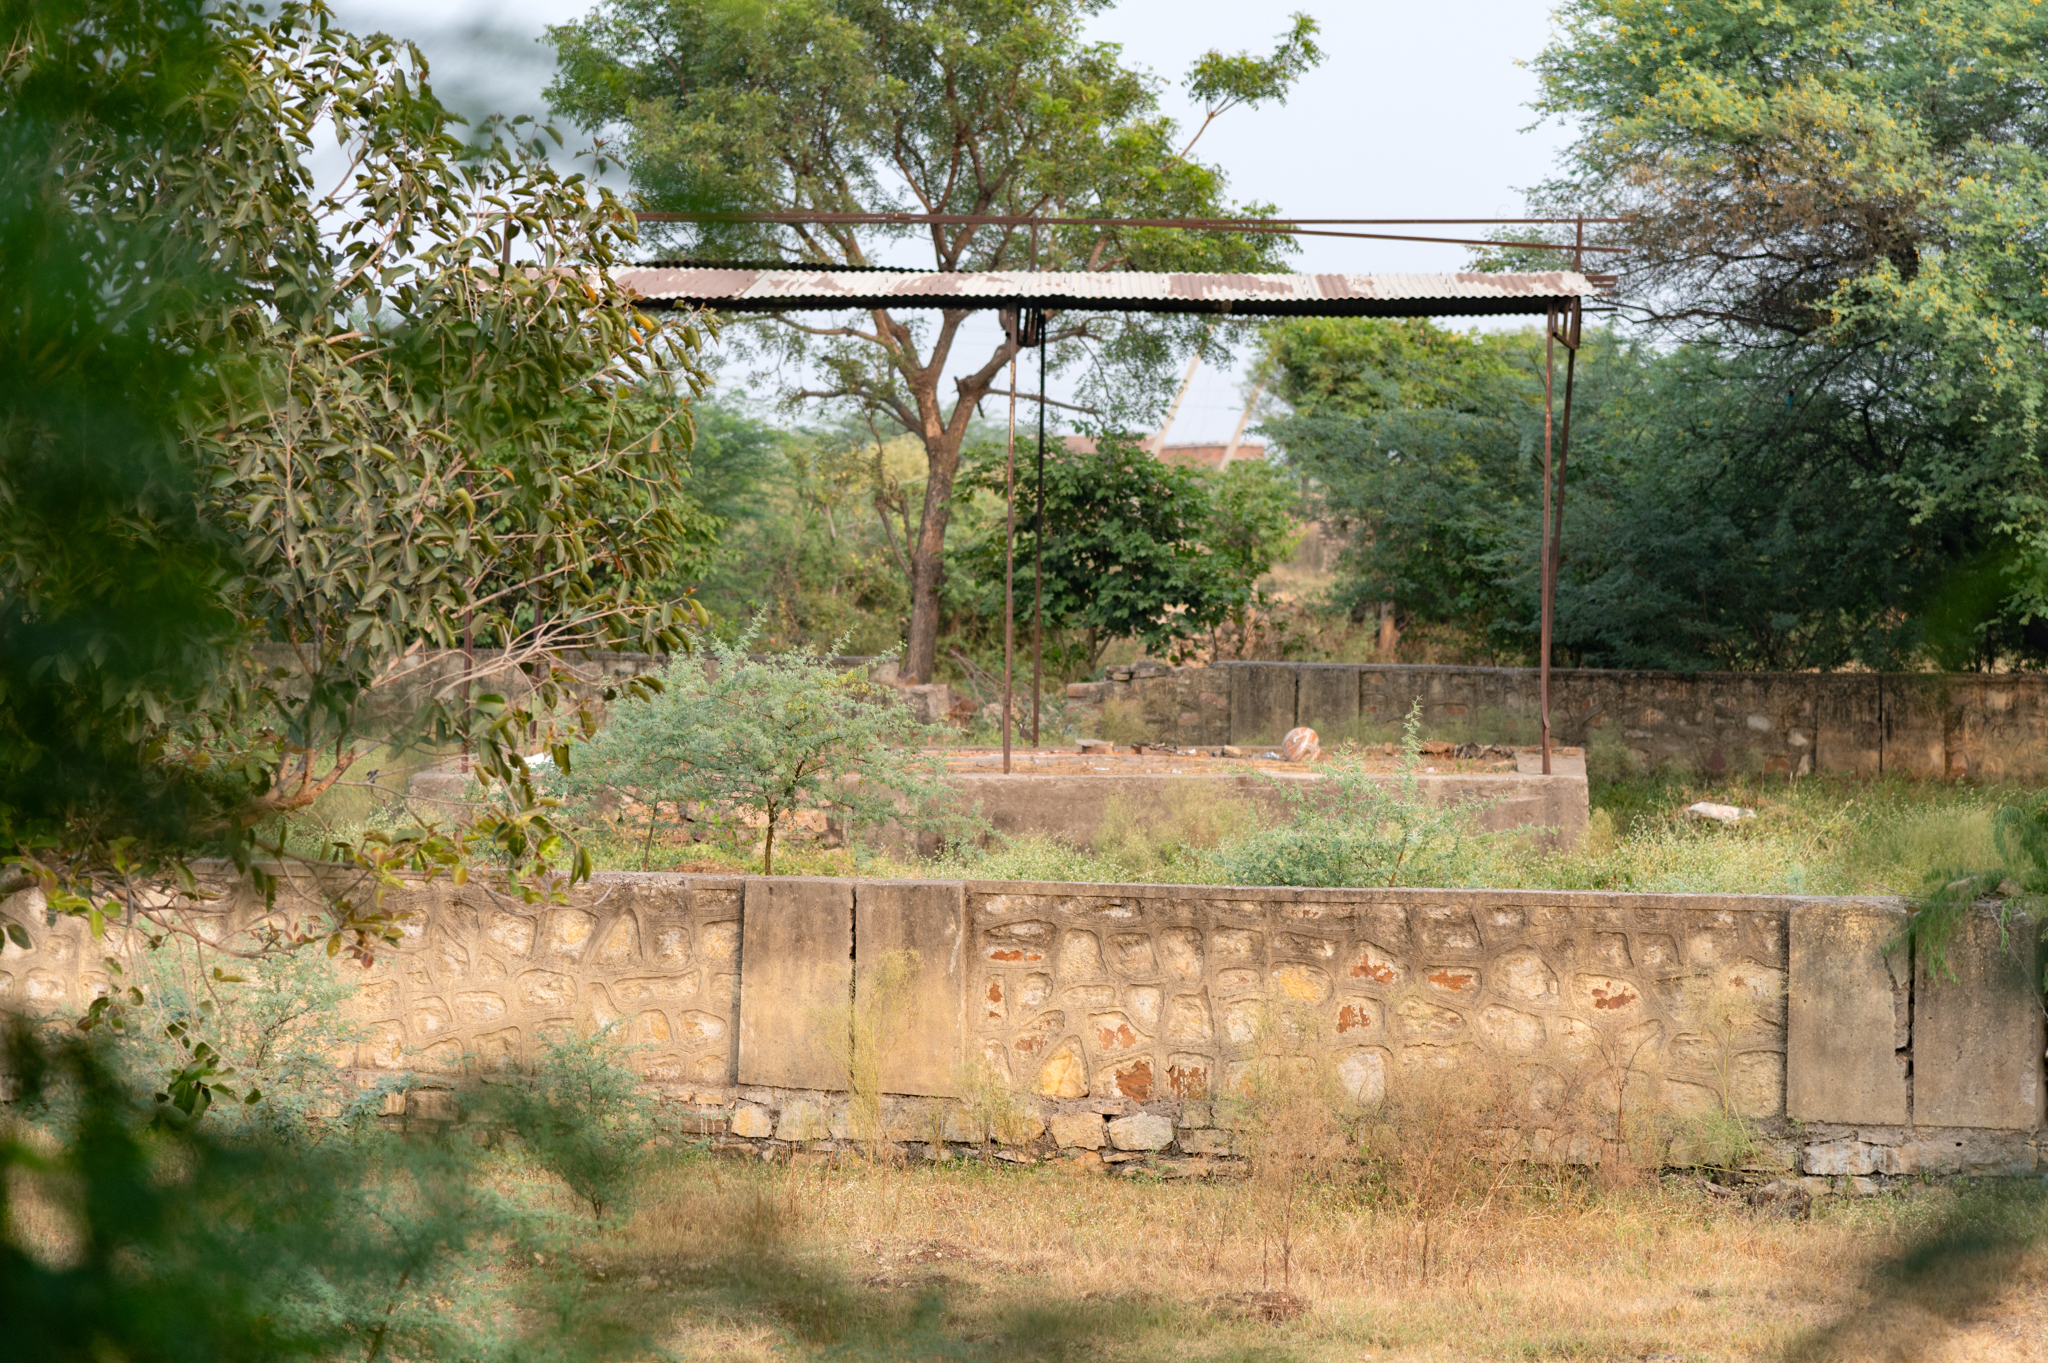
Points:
(1558, 296)
(1466, 294)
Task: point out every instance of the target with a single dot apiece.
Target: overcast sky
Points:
(1418, 110)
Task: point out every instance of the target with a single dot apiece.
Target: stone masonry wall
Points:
(1121, 1017)
(1977, 726)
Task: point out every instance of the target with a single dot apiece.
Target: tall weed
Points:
(581, 1114)
(1354, 829)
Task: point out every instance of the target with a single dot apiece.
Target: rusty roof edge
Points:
(1469, 293)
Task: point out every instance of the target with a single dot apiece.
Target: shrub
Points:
(760, 738)
(124, 1235)
(582, 1116)
(1352, 828)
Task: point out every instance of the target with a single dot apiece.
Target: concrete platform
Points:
(1067, 797)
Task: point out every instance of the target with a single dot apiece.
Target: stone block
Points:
(1143, 1131)
(802, 1120)
(1326, 697)
(755, 1123)
(1206, 1141)
(960, 1127)
(1914, 725)
(928, 1045)
(1840, 1061)
(796, 970)
(1977, 1038)
(1077, 1130)
(1262, 701)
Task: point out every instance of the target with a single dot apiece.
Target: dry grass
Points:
(1062, 1261)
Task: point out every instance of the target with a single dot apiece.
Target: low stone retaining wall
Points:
(1121, 1017)
(1983, 726)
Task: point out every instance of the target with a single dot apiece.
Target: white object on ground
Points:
(1707, 809)
(1301, 745)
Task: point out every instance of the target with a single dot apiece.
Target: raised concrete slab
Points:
(1977, 1038)
(1326, 697)
(1262, 701)
(796, 963)
(1072, 807)
(1841, 1064)
(924, 1054)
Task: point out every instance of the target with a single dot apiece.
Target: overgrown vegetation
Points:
(296, 474)
(742, 742)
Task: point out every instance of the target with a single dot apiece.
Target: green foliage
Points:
(761, 738)
(1709, 522)
(122, 1238)
(990, 107)
(804, 537)
(271, 452)
(581, 1114)
(1135, 547)
(1352, 828)
(112, 613)
(1844, 203)
(271, 1023)
(2019, 881)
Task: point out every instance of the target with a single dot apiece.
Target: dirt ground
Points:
(738, 1261)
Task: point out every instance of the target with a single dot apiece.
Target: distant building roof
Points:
(1467, 294)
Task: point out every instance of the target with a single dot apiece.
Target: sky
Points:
(1417, 110)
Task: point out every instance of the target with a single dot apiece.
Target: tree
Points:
(1703, 528)
(1415, 439)
(938, 106)
(1857, 193)
(276, 458)
(764, 737)
(1135, 548)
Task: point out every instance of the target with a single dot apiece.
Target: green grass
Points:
(1820, 835)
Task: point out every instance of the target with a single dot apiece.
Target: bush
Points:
(1353, 829)
(124, 1235)
(581, 1115)
(758, 739)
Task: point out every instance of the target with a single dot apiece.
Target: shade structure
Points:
(1465, 294)
(1558, 296)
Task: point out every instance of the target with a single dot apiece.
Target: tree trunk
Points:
(928, 553)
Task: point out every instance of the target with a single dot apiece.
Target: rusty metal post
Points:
(1010, 544)
(1546, 585)
(1038, 543)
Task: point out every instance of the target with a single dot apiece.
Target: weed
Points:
(1123, 721)
(580, 1113)
(1353, 828)
(860, 1034)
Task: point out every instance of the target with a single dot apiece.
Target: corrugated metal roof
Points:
(1469, 294)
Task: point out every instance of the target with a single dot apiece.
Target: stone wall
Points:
(1121, 1016)
(1979, 726)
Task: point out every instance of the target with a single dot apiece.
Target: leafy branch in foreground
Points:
(291, 472)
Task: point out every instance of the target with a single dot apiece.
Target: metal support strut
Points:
(1553, 486)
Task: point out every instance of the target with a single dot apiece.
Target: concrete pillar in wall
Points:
(796, 967)
(927, 1044)
(1841, 1025)
(1327, 697)
(1262, 701)
(1977, 1038)
(1847, 720)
